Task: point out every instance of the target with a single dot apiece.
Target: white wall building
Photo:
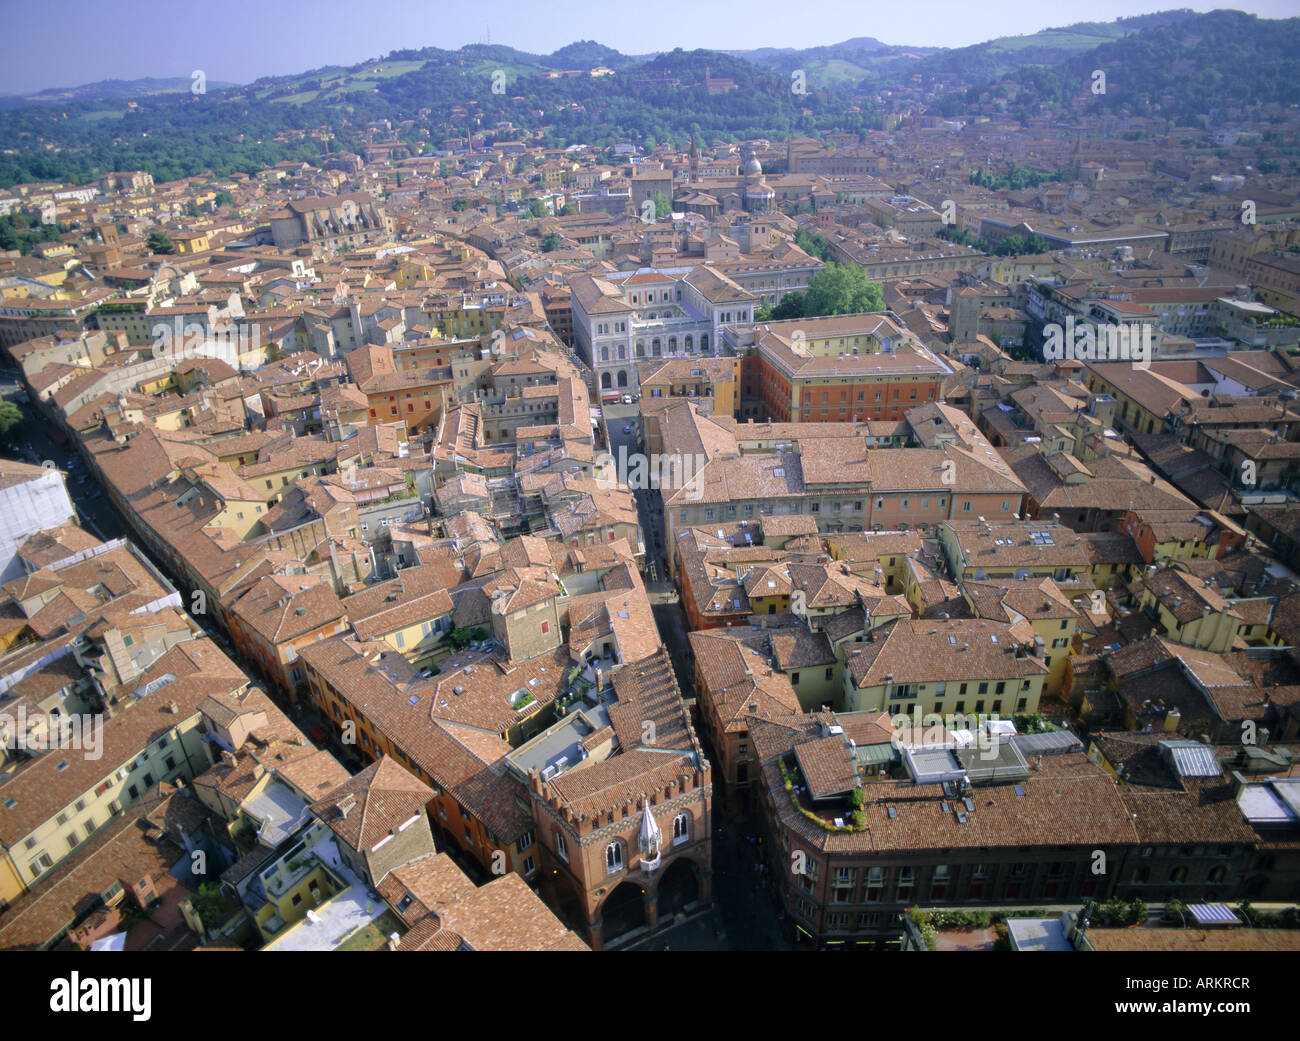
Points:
(32, 499)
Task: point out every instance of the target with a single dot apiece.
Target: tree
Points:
(812, 244)
(568, 210)
(460, 204)
(791, 306)
(158, 242)
(11, 421)
(842, 289)
(663, 205)
(551, 241)
(536, 207)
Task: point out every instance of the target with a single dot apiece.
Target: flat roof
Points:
(1038, 934)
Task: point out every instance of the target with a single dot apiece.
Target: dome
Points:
(753, 168)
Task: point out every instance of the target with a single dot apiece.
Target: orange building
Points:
(805, 375)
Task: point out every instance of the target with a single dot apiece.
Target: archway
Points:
(679, 886)
(623, 911)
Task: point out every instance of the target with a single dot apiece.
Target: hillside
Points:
(1177, 64)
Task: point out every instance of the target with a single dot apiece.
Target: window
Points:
(939, 883)
(681, 828)
(842, 892)
(614, 858)
(561, 847)
(905, 879)
(530, 868)
(524, 841)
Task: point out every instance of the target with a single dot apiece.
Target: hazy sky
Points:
(240, 40)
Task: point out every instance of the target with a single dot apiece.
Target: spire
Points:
(650, 836)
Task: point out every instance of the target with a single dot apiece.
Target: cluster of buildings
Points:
(966, 622)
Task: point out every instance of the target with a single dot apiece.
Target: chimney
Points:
(345, 805)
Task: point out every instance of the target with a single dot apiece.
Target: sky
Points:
(241, 40)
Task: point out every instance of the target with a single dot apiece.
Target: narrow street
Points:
(35, 446)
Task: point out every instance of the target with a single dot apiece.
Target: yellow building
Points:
(945, 666)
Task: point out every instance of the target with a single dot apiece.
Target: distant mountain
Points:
(862, 61)
(1175, 64)
(107, 90)
(588, 54)
(994, 58)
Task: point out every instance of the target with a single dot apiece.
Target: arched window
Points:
(655, 347)
(561, 847)
(640, 349)
(604, 354)
(704, 341)
(622, 378)
(622, 353)
(1179, 874)
(690, 342)
(1217, 874)
(605, 381)
(681, 828)
(672, 345)
(614, 857)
